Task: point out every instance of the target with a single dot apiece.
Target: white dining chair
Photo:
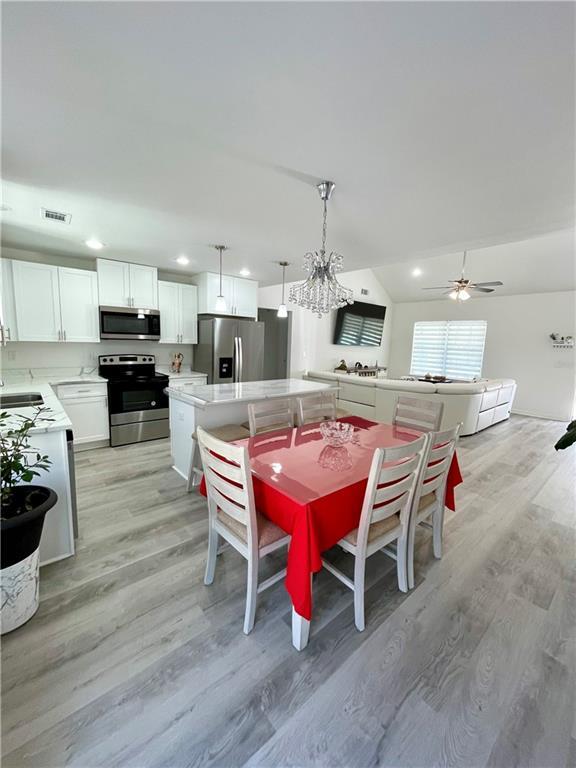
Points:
(430, 493)
(232, 515)
(385, 517)
(268, 415)
(228, 433)
(414, 413)
(318, 407)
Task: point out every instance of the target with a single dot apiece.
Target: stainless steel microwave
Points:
(129, 323)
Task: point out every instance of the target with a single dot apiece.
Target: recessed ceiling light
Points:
(183, 260)
(416, 272)
(96, 245)
(245, 272)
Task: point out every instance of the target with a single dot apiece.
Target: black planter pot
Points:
(22, 521)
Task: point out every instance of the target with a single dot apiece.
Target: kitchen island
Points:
(213, 405)
(49, 437)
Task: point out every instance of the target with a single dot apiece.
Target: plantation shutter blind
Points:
(361, 331)
(451, 348)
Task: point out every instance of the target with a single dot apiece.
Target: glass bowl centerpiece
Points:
(336, 433)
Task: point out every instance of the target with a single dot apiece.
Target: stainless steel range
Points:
(137, 404)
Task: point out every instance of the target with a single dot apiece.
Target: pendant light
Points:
(321, 291)
(282, 311)
(220, 300)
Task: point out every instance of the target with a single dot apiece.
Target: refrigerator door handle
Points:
(236, 359)
(241, 377)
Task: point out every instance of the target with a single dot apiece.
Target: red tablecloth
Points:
(319, 524)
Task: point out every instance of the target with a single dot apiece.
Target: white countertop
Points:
(185, 373)
(43, 380)
(55, 410)
(204, 395)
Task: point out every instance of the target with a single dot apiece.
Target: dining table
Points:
(314, 491)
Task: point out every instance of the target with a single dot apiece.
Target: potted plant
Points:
(567, 438)
(23, 508)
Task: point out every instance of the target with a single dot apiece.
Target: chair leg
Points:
(212, 555)
(251, 594)
(411, 543)
(437, 529)
(359, 571)
(403, 562)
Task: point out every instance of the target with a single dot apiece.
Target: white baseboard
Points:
(545, 416)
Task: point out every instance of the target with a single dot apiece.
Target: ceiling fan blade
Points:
(484, 290)
(437, 288)
(495, 282)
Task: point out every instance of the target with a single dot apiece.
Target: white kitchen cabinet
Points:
(178, 306)
(245, 297)
(37, 298)
(127, 285)
(55, 303)
(168, 306)
(86, 405)
(181, 380)
(188, 314)
(241, 295)
(8, 325)
(78, 304)
(144, 286)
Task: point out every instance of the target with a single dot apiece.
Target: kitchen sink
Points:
(23, 400)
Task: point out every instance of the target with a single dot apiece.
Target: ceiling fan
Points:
(459, 289)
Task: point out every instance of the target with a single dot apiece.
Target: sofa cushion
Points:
(401, 385)
(475, 388)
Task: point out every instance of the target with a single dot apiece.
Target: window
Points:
(451, 348)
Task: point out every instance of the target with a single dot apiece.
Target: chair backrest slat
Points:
(226, 469)
(399, 469)
(395, 490)
(415, 413)
(232, 492)
(223, 502)
(391, 485)
(318, 407)
(268, 415)
(436, 465)
(229, 481)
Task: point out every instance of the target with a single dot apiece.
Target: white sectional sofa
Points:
(476, 405)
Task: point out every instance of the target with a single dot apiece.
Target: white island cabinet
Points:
(213, 405)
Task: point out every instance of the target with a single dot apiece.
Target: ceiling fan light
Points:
(453, 295)
(463, 295)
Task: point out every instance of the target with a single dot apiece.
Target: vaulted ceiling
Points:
(165, 127)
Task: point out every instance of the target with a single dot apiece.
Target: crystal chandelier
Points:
(321, 291)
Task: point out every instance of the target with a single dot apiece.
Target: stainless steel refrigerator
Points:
(230, 350)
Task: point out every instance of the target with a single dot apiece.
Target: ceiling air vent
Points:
(64, 218)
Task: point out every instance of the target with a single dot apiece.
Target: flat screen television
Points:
(359, 325)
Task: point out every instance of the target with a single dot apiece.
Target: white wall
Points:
(517, 345)
(312, 346)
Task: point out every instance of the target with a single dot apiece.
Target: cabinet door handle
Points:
(8, 335)
(2, 336)
(64, 335)
(59, 335)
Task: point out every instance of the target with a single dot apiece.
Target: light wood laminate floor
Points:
(132, 661)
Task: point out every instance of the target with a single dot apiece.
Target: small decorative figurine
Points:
(176, 363)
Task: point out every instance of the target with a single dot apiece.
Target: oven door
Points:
(137, 400)
(129, 323)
